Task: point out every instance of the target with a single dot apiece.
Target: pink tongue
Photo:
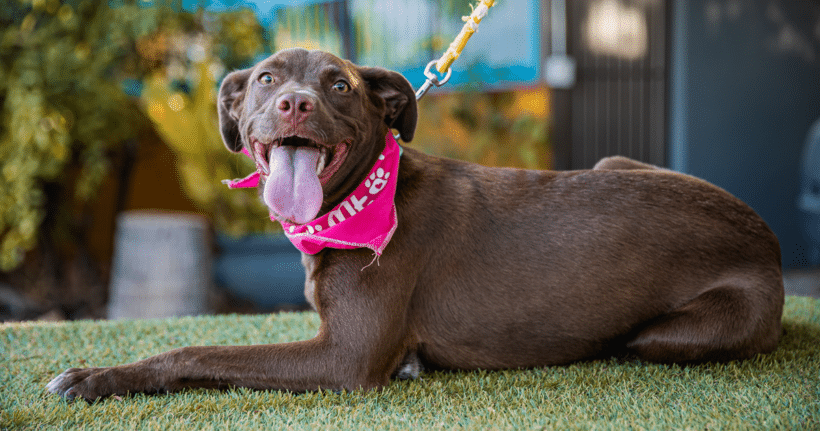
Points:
(293, 189)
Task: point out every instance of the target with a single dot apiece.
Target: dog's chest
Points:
(310, 263)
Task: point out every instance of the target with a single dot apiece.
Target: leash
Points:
(454, 50)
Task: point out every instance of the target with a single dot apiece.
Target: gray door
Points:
(618, 103)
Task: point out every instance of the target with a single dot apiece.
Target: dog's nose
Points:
(295, 107)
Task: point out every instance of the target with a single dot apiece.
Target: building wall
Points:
(744, 91)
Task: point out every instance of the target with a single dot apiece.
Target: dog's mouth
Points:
(328, 163)
(294, 169)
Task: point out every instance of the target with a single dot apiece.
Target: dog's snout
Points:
(295, 107)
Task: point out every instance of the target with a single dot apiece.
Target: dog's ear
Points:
(401, 112)
(229, 107)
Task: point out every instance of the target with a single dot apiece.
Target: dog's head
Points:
(314, 123)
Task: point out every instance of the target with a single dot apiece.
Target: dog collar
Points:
(365, 219)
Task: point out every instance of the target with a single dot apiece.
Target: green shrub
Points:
(61, 103)
(65, 69)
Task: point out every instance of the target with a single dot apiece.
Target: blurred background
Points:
(110, 158)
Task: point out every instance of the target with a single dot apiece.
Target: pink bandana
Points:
(366, 218)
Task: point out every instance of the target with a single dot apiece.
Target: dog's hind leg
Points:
(724, 323)
(622, 163)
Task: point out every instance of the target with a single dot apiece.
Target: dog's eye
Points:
(266, 79)
(341, 86)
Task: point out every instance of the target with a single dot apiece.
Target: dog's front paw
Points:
(87, 383)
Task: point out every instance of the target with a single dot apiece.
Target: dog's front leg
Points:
(361, 341)
(354, 349)
(299, 366)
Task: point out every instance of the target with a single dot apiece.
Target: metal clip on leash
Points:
(432, 80)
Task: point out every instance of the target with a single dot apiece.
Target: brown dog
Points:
(488, 267)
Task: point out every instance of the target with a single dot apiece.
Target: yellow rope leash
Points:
(470, 26)
(443, 64)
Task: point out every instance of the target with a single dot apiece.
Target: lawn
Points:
(775, 391)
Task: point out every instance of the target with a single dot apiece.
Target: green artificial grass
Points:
(776, 391)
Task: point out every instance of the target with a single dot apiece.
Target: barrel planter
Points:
(161, 265)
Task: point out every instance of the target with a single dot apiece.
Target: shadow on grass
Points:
(798, 339)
